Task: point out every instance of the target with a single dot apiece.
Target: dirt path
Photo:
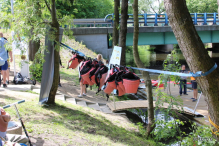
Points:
(72, 90)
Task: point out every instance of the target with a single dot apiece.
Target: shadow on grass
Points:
(70, 77)
(76, 120)
(8, 98)
(72, 80)
(62, 116)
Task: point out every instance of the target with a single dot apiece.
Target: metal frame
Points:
(155, 19)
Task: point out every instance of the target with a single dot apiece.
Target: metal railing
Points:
(95, 22)
(146, 20)
(155, 19)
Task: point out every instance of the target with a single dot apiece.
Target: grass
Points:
(67, 120)
(30, 91)
(68, 124)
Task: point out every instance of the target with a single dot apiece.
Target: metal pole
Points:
(14, 63)
(114, 102)
(22, 124)
(12, 12)
(197, 102)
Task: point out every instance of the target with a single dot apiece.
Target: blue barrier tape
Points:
(79, 53)
(197, 74)
(200, 73)
(191, 74)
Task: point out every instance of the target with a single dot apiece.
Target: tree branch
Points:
(47, 5)
(158, 6)
(152, 8)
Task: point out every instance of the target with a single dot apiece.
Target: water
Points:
(154, 59)
(161, 115)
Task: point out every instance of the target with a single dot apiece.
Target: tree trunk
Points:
(123, 29)
(218, 7)
(195, 53)
(34, 45)
(116, 23)
(33, 48)
(55, 32)
(146, 75)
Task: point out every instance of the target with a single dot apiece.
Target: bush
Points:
(36, 68)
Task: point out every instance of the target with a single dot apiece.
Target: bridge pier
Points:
(215, 45)
(96, 42)
(163, 48)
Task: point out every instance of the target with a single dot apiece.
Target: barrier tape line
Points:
(197, 74)
(79, 53)
(191, 74)
(216, 126)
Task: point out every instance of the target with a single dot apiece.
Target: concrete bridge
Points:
(100, 39)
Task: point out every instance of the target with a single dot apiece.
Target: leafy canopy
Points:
(86, 8)
(202, 6)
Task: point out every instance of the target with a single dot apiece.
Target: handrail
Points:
(157, 17)
(107, 16)
(147, 18)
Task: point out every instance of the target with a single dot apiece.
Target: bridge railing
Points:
(162, 19)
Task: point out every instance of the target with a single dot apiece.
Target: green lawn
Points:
(69, 120)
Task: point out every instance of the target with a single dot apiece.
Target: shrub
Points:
(36, 68)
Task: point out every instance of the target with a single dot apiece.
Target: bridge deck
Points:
(136, 104)
(188, 105)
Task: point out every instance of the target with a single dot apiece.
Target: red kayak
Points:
(154, 83)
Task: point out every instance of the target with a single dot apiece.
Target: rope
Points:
(191, 74)
(197, 74)
(216, 126)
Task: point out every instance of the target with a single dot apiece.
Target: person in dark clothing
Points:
(183, 81)
(60, 62)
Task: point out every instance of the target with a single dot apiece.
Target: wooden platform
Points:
(188, 105)
(137, 104)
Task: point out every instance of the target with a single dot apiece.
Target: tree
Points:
(195, 54)
(34, 45)
(146, 75)
(218, 6)
(151, 6)
(123, 30)
(116, 23)
(26, 20)
(55, 31)
(85, 8)
(202, 6)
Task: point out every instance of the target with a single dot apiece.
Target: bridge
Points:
(154, 30)
(143, 104)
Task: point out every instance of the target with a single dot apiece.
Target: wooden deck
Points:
(188, 105)
(137, 104)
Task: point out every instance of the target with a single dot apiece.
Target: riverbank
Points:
(66, 124)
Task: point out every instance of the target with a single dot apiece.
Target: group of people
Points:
(83, 86)
(183, 84)
(4, 54)
(5, 117)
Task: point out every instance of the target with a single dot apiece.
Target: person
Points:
(9, 53)
(68, 63)
(4, 119)
(3, 55)
(183, 81)
(99, 57)
(60, 62)
(195, 90)
(82, 86)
